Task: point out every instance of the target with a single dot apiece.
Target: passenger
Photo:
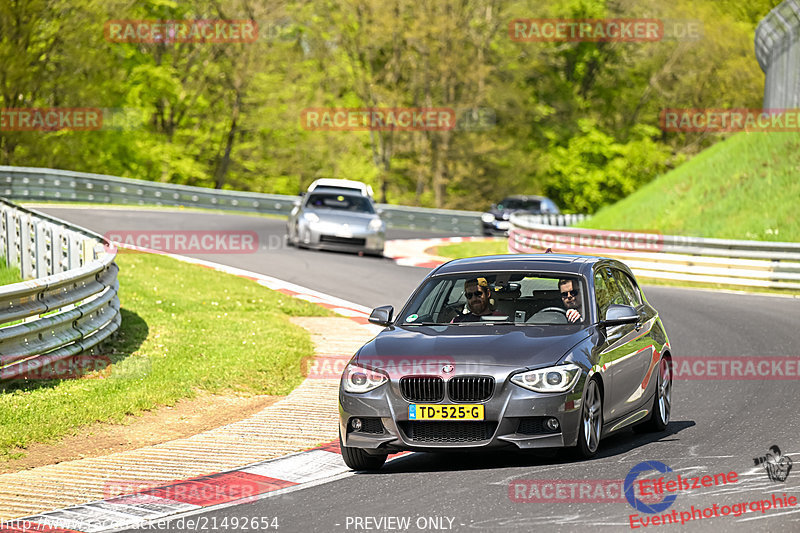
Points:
(570, 295)
(477, 292)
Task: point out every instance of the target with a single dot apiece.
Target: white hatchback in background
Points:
(340, 184)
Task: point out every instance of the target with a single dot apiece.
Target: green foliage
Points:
(593, 169)
(227, 115)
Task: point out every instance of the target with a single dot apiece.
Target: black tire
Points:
(358, 459)
(591, 416)
(662, 401)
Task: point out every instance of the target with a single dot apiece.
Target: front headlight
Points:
(359, 379)
(311, 217)
(487, 217)
(552, 379)
(375, 224)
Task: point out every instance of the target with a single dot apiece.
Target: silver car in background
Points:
(336, 219)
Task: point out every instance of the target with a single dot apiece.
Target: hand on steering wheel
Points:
(571, 314)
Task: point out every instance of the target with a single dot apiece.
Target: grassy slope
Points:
(184, 328)
(745, 187)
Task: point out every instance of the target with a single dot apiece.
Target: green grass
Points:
(745, 187)
(9, 275)
(472, 249)
(185, 328)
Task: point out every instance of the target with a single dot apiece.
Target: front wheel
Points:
(358, 459)
(591, 421)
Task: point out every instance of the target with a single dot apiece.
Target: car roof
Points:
(337, 190)
(342, 184)
(569, 264)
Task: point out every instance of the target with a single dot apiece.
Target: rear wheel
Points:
(662, 402)
(591, 420)
(358, 459)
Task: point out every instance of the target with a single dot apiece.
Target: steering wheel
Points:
(547, 309)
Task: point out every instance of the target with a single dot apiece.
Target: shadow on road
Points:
(618, 444)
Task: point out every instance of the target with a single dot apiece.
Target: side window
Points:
(602, 294)
(617, 297)
(628, 287)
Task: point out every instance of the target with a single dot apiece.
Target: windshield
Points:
(517, 298)
(340, 202)
(515, 203)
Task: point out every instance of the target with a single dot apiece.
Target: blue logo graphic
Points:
(412, 412)
(639, 505)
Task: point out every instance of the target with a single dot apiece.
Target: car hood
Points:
(343, 217)
(508, 346)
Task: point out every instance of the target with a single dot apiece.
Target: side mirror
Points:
(382, 316)
(620, 314)
(296, 203)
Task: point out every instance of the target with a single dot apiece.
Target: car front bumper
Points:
(513, 417)
(330, 237)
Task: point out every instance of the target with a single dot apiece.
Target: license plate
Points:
(445, 412)
(503, 225)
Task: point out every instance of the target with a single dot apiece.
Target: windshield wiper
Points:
(425, 324)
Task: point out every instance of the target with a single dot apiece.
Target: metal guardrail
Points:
(556, 220)
(42, 184)
(777, 44)
(672, 257)
(70, 307)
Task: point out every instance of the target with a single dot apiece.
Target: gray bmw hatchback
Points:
(520, 351)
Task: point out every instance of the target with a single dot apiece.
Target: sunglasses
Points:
(469, 295)
(566, 294)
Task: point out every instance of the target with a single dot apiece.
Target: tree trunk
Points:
(224, 163)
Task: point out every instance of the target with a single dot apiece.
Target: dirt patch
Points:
(185, 418)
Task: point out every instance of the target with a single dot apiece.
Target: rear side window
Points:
(602, 293)
(619, 296)
(628, 287)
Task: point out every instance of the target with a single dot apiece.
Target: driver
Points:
(477, 292)
(570, 295)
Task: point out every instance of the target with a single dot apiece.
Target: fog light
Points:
(552, 424)
(355, 423)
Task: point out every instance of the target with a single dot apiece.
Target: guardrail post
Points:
(44, 242)
(74, 252)
(26, 259)
(5, 242)
(12, 243)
